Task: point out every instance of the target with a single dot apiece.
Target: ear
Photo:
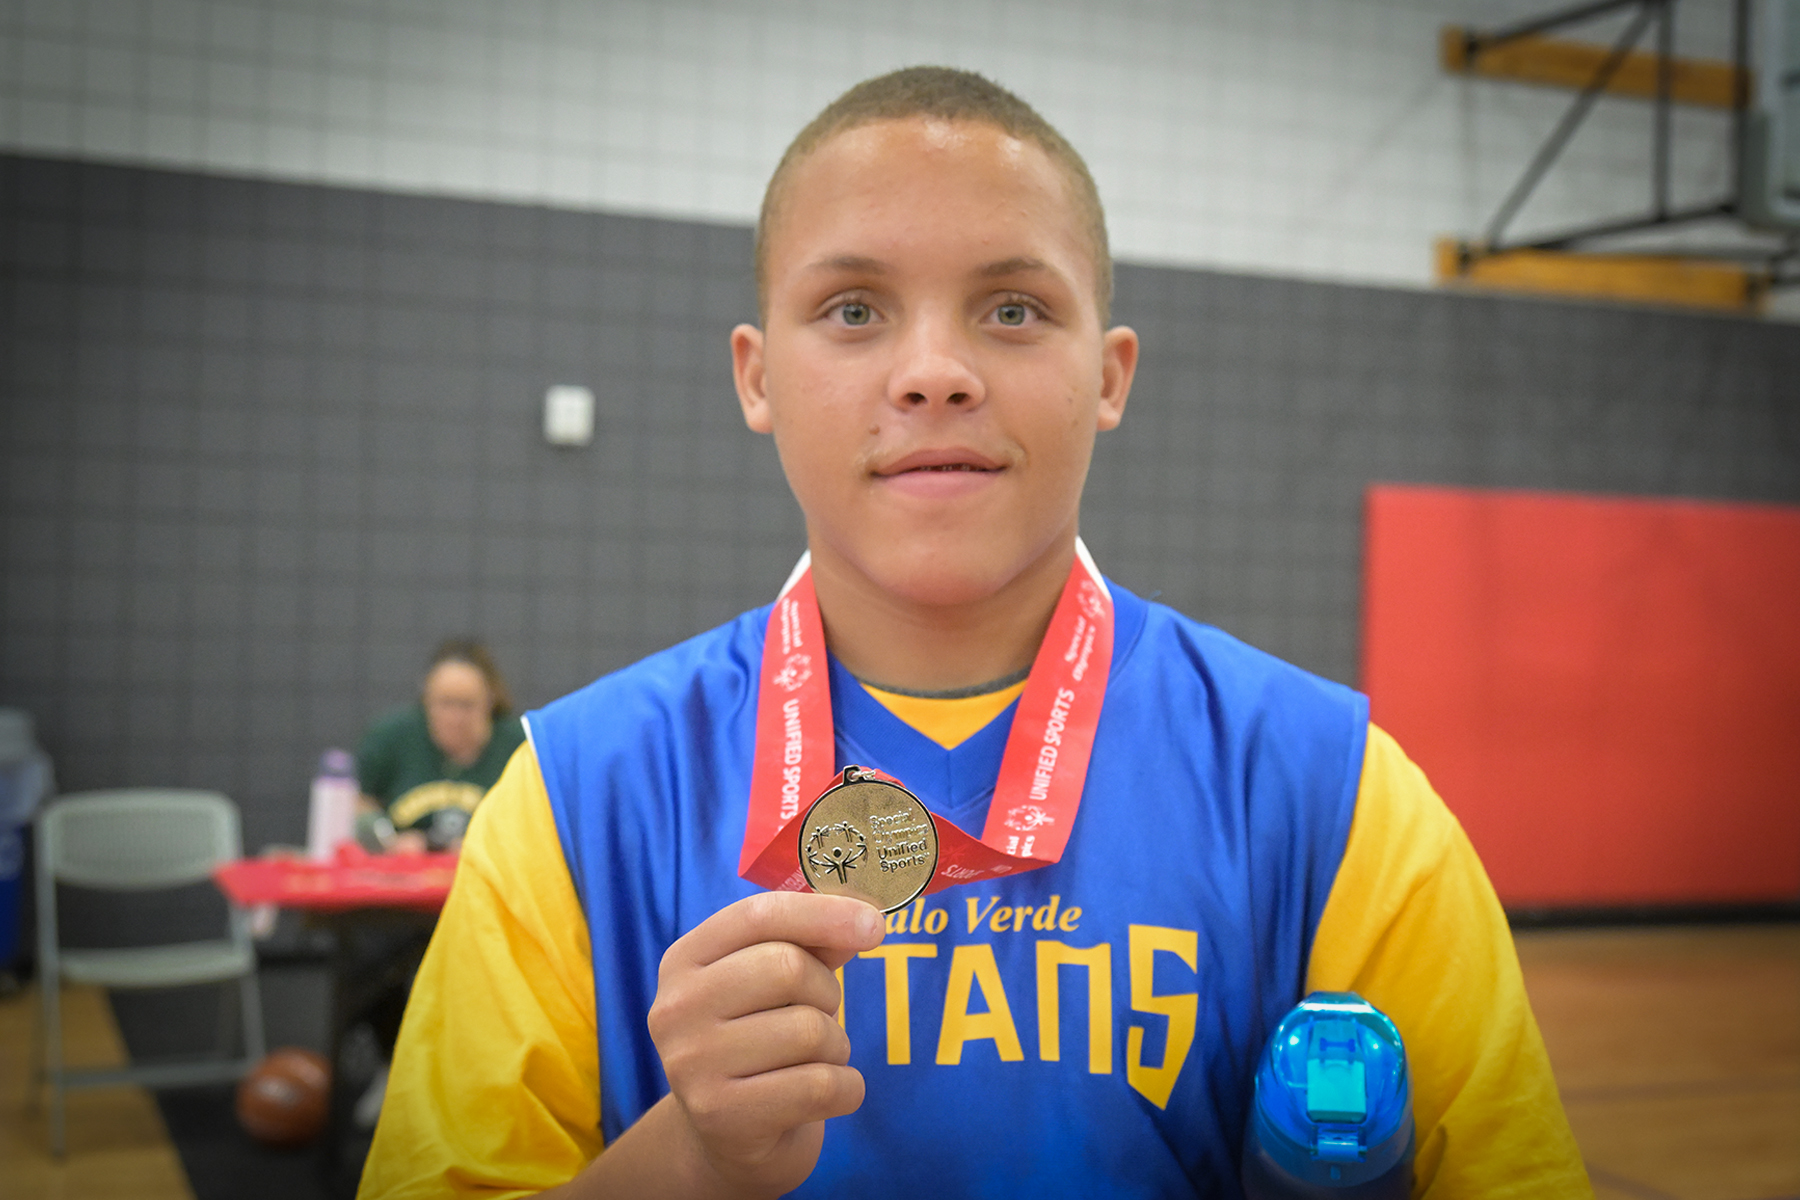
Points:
(1118, 363)
(747, 373)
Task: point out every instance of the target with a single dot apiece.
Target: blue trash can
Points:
(25, 780)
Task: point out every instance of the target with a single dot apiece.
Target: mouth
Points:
(940, 462)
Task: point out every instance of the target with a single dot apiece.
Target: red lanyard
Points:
(1041, 772)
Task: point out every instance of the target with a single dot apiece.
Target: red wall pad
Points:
(1605, 691)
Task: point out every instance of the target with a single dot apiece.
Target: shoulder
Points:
(1242, 691)
(512, 834)
(400, 717)
(1278, 745)
(712, 671)
(649, 713)
(395, 726)
(1402, 824)
(646, 732)
(1403, 843)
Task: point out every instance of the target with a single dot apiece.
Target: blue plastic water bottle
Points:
(1332, 1119)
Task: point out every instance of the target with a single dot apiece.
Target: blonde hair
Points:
(947, 94)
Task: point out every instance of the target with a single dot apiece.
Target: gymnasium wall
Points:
(1605, 688)
(264, 443)
(1316, 139)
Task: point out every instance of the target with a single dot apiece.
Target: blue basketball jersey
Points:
(1086, 1026)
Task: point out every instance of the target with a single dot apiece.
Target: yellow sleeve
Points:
(1413, 926)
(495, 1086)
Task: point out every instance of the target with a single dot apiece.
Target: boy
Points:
(611, 1008)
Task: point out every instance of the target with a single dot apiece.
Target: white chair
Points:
(129, 840)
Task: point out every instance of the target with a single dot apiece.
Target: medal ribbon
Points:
(1042, 770)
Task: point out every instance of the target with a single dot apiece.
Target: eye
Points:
(854, 312)
(1016, 312)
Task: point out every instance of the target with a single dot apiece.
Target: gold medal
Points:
(869, 839)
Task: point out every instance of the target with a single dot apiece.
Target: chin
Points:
(953, 573)
(941, 590)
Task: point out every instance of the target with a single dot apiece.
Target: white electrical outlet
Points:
(569, 415)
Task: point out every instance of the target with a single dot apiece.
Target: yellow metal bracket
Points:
(1712, 284)
(1563, 63)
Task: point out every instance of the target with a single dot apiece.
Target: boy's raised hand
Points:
(745, 1022)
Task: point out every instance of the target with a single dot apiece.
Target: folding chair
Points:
(130, 840)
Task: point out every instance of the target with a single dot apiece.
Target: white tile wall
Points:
(1314, 138)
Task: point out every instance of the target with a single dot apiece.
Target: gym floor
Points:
(1678, 1052)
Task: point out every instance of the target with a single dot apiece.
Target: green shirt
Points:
(399, 765)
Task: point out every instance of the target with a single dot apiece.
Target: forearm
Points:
(657, 1156)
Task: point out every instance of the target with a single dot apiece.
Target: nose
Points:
(934, 365)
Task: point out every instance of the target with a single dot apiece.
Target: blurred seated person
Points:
(423, 768)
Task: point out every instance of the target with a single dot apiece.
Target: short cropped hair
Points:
(947, 94)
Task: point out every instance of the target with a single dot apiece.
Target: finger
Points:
(835, 958)
(780, 1100)
(766, 975)
(759, 1043)
(828, 923)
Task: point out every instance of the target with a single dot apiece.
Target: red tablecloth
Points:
(356, 880)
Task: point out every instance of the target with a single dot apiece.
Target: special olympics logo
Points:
(835, 849)
(1091, 603)
(794, 672)
(1027, 817)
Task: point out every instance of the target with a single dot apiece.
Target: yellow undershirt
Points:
(949, 723)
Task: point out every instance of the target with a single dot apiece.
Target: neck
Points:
(928, 647)
(464, 757)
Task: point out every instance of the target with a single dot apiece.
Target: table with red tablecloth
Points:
(354, 879)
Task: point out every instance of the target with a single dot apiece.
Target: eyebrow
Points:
(850, 262)
(1020, 265)
(1017, 265)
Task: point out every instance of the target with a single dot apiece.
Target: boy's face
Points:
(932, 364)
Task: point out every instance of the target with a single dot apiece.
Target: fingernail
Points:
(869, 924)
